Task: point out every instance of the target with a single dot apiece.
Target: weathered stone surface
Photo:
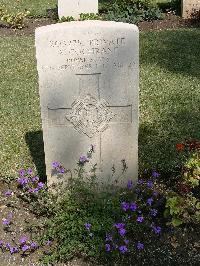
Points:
(73, 8)
(190, 8)
(88, 79)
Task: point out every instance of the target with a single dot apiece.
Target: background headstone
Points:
(190, 8)
(73, 8)
(88, 79)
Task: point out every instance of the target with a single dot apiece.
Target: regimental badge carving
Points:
(89, 115)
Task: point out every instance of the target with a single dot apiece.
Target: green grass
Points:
(37, 8)
(169, 99)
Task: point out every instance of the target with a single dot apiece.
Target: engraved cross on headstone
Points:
(89, 114)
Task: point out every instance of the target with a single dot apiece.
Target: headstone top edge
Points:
(79, 24)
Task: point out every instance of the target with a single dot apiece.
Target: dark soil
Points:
(170, 21)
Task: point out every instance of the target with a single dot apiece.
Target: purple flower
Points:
(40, 185)
(123, 249)
(62, 170)
(140, 181)
(29, 171)
(155, 193)
(13, 250)
(87, 226)
(25, 248)
(55, 165)
(149, 201)
(122, 231)
(119, 225)
(140, 246)
(23, 240)
(108, 248)
(83, 159)
(149, 184)
(140, 219)
(6, 222)
(8, 245)
(155, 174)
(156, 229)
(35, 190)
(153, 212)
(125, 206)
(30, 190)
(34, 245)
(133, 206)
(126, 241)
(8, 193)
(35, 179)
(1, 243)
(130, 184)
(49, 242)
(22, 172)
(23, 181)
(109, 237)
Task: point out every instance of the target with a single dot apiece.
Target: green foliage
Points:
(192, 171)
(182, 210)
(66, 19)
(13, 20)
(79, 205)
(132, 11)
(89, 16)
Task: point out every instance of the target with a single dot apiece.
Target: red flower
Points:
(180, 146)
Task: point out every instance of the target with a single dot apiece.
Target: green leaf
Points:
(176, 222)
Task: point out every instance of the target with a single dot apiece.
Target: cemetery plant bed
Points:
(79, 219)
(170, 21)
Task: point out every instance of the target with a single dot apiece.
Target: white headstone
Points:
(190, 8)
(73, 8)
(88, 79)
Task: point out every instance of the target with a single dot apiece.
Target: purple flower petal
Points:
(133, 206)
(8, 193)
(123, 249)
(149, 201)
(140, 219)
(140, 246)
(130, 184)
(87, 226)
(25, 248)
(23, 240)
(125, 206)
(155, 174)
(122, 231)
(55, 165)
(29, 171)
(108, 248)
(119, 225)
(22, 172)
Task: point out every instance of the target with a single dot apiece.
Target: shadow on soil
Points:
(35, 143)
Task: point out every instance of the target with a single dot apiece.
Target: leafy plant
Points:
(13, 20)
(66, 19)
(182, 210)
(132, 11)
(89, 16)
